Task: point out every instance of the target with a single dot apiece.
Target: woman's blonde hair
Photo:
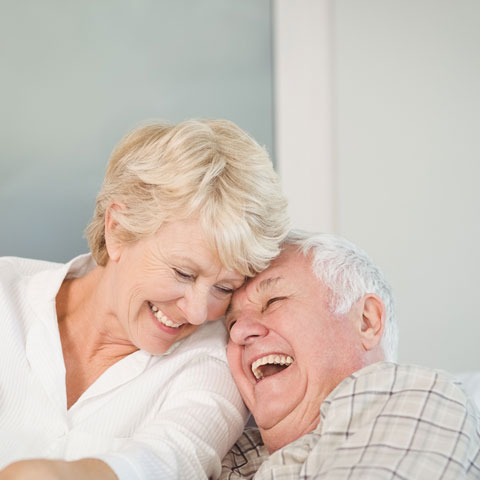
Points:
(206, 168)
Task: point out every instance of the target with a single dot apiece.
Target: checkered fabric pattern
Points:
(385, 421)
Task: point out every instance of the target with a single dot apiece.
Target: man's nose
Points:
(194, 305)
(247, 329)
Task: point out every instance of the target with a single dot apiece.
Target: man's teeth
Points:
(270, 360)
(162, 318)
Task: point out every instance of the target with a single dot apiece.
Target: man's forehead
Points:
(280, 272)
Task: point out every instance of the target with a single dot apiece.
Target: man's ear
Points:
(112, 242)
(372, 323)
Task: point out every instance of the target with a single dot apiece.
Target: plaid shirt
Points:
(385, 421)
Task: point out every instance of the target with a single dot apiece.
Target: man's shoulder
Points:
(400, 369)
(388, 393)
(392, 378)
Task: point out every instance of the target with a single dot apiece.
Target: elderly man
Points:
(312, 339)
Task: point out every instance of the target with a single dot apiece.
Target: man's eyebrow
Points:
(268, 283)
(261, 288)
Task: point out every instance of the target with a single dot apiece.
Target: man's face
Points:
(282, 318)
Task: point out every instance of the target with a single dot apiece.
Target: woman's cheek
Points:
(217, 308)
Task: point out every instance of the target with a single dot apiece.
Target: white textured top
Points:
(148, 416)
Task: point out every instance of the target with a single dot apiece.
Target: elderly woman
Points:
(107, 371)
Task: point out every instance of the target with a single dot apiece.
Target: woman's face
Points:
(165, 286)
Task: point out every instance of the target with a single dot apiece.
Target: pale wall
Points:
(76, 76)
(405, 78)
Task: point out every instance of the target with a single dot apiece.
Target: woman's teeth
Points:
(162, 318)
(285, 360)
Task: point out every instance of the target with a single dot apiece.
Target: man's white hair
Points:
(349, 274)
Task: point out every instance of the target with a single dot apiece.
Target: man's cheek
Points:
(234, 358)
(231, 356)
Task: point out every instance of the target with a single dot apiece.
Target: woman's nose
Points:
(194, 305)
(247, 329)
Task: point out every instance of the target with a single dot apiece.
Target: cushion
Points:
(471, 384)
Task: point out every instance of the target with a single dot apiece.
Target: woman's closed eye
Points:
(183, 275)
(224, 290)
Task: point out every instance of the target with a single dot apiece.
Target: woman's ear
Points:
(112, 242)
(372, 320)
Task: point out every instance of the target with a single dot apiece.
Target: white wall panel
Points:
(303, 110)
(407, 108)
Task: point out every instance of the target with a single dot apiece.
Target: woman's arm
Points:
(90, 468)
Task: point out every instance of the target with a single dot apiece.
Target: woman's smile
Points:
(163, 319)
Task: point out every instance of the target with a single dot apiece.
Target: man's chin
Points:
(274, 401)
(270, 414)
(277, 437)
(284, 418)
(280, 433)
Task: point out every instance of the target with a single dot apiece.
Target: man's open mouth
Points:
(270, 365)
(161, 317)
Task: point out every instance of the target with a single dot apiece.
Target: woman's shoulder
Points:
(20, 267)
(17, 275)
(209, 340)
(18, 270)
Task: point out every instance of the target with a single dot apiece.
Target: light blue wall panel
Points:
(76, 76)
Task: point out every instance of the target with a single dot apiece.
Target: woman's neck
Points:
(91, 337)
